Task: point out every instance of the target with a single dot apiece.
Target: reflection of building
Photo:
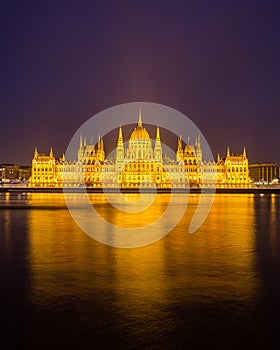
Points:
(140, 164)
(264, 173)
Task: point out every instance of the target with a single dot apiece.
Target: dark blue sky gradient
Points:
(215, 61)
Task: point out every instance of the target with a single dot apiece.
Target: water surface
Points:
(215, 289)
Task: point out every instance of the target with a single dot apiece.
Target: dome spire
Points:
(228, 152)
(158, 134)
(120, 133)
(140, 119)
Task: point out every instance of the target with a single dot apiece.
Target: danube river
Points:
(217, 288)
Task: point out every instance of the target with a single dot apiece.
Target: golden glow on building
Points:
(140, 164)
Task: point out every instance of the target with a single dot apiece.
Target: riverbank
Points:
(239, 190)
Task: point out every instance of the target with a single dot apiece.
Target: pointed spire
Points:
(85, 141)
(120, 133)
(35, 152)
(158, 148)
(51, 152)
(244, 153)
(63, 157)
(120, 138)
(81, 141)
(140, 119)
(198, 141)
(180, 145)
(179, 153)
(158, 134)
(218, 158)
(100, 149)
(120, 148)
(228, 152)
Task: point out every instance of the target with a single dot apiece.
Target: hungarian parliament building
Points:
(140, 164)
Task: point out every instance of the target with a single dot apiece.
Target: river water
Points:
(218, 288)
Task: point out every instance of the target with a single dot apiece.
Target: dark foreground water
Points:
(218, 288)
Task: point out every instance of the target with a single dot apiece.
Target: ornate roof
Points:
(140, 133)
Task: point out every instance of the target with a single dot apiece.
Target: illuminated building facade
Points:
(139, 163)
(264, 173)
(233, 171)
(43, 169)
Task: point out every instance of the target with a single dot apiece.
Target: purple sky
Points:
(215, 61)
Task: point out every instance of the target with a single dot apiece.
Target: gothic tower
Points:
(179, 153)
(158, 148)
(120, 149)
(100, 150)
(198, 150)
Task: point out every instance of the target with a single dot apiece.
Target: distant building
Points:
(12, 173)
(140, 164)
(24, 173)
(263, 173)
(9, 173)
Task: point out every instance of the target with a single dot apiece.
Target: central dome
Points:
(140, 133)
(140, 144)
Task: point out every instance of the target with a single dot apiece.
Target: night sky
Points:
(215, 61)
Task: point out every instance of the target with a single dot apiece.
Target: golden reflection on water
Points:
(273, 225)
(217, 261)
(227, 244)
(120, 216)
